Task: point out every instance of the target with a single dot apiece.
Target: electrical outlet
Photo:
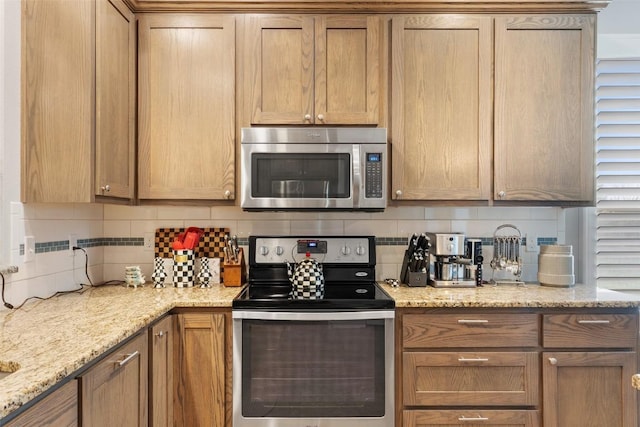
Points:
(532, 243)
(73, 242)
(149, 242)
(29, 249)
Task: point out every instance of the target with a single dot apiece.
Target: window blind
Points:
(618, 174)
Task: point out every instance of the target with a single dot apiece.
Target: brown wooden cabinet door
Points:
(589, 389)
(279, 68)
(200, 368)
(347, 69)
(161, 373)
(114, 392)
(57, 101)
(301, 69)
(58, 409)
(115, 99)
(544, 107)
(186, 106)
(471, 417)
(441, 107)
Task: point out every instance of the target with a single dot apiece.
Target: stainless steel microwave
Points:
(314, 168)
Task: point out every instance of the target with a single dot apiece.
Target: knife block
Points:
(234, 271)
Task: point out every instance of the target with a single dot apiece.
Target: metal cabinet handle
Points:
(321, 117)
(227, 194)
(307, 116)
(398, 193)
(105, 188)
(594, 322)
(162, 334)
(473, 359)
(478, 418)
(472, 321)
(502, 194)
(128, 359)
(553, 360)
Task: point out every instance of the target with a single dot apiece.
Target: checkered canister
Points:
(183, 268)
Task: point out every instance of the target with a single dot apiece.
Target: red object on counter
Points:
(188, 239)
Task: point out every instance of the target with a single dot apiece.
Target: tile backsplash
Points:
(113, 235)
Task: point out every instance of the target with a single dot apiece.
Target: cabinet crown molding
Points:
(368, 6)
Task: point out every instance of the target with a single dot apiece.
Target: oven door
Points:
(316, 369)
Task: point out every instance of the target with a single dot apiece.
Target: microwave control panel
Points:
(373, 176)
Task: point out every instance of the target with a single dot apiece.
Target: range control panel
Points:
(334, 249)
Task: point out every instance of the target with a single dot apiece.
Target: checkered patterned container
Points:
(184, 270)
(307, 280)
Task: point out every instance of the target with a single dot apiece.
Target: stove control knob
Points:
(360, 250)
(264, 251)
(279, 250)
(346, 250)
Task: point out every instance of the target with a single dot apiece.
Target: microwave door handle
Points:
(357, 174)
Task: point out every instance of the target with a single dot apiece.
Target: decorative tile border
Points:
(63, 245)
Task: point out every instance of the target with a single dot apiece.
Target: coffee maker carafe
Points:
(449, 268)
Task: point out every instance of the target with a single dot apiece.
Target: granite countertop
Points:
(505, 296)
(49, 340)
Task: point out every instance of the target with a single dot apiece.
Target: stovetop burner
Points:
(348, 266)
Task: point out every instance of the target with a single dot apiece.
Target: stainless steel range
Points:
(323, 362)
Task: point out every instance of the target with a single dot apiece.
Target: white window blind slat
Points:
(631, 66)
(618, 174)
(616, 105)
(618, 143)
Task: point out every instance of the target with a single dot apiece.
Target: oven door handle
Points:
(311, 315)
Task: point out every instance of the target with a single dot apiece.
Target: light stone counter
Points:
(528, 295)
(49, 340)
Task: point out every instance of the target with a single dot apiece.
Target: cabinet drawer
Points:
(470, 330)
(590, 330)
(469, 379)
(470, 417)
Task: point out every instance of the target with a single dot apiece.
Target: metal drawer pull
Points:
(162, 333)
(476, 359)
(478, 418)
(553, 360)
(593, 322)
(128, 359)
(473, 321)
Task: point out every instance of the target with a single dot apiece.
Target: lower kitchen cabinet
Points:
(587, 366)
(58, 409)
(564, 368)
(202, 369)
(161, 373)
(114, 391)
(589, 389)
(449, 418)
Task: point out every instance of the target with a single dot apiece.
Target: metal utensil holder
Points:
(507, 261)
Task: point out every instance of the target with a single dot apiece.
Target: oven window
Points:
(313, 368)
(301, 175)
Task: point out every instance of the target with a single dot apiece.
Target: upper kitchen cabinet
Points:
(115, 99)
(186, 106)
(544, 108)
(57, 112)
(312, 70)
(442, 107)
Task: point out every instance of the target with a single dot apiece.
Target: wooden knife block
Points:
(234, 271)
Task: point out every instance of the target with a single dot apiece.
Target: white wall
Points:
(619, 30)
